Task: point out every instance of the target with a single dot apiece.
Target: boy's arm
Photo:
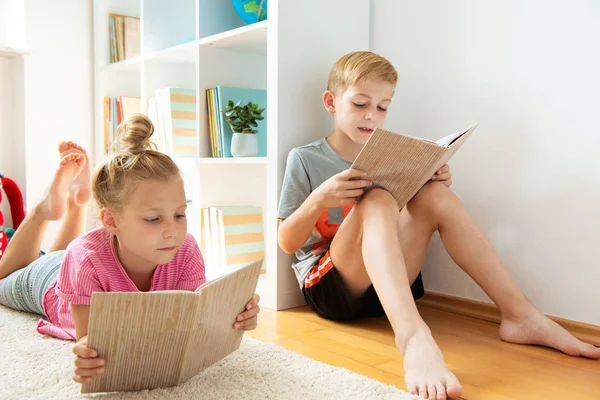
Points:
(295, 230)
(343, 188)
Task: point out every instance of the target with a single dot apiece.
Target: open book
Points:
(163, 338)
(402, 164)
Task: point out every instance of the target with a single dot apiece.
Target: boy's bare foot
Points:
(81, 189)
(426, 372)
(54, 205)
(535, 328)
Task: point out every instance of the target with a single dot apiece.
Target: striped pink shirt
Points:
(91, 265)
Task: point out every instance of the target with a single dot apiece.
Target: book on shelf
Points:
(124, 37)
(220, 133)
(232, 236)
(163, 338)
(116, 110)
(173, 113)
(402, 164)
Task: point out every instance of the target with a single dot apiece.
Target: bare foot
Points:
(535, 328)
(65, 148)
(54, 205)
(426, 372)
(81, 189)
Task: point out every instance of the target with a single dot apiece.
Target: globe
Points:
(248, 10)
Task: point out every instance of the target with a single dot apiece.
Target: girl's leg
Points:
(79, 197)
(73, 225)
(24, 290)
(24, 246)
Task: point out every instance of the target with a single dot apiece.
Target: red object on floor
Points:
(17, 209)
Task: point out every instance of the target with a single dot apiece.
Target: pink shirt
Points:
(91, 265)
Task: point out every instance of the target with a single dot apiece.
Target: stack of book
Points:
(124, 37)
(220, 131)
(116, 110)
(231, 237)
(173, 113)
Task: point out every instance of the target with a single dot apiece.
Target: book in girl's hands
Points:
(402, 164)
(163, 338)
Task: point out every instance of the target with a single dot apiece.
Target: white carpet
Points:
(36, 367)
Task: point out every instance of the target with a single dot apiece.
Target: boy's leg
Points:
(468, 246)
(24, 247)
(368, 248)
(436, 206)
(79, 196)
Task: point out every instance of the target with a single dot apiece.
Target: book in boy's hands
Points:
(402, 164)
(163, 338)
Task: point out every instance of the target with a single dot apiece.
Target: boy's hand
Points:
(443, 175)
(249, 318)
(87, 362)
(343, 188)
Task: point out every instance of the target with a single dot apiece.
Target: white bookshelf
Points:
(203, 43)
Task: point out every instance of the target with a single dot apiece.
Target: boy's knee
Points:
(379, 199)
(433, 196)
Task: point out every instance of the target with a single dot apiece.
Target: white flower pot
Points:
(244, 145)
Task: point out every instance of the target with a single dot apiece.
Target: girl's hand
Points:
(249, 318)
(87, 362)
(443, 175)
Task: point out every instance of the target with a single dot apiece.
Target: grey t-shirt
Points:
(308, 167)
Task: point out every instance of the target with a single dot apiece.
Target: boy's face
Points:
(360, 109)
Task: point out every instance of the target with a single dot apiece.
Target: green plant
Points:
(242, 119)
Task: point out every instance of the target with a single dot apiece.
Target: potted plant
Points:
(242, 120)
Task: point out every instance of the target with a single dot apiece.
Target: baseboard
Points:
(490, 312)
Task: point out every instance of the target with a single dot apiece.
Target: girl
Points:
(142, 246)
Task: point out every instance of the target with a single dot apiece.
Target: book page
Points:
(454, 146)
(446, 141)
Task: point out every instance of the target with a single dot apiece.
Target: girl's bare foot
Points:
(65, 148)
(54, 204)
(81, 189)
(426, 372)
(533, 327)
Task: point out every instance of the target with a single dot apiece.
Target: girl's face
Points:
(152, 225)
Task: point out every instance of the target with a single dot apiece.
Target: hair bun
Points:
(134, 134)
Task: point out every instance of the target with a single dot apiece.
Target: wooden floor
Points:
(487, 367)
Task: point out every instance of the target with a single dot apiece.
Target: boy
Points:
(359, 259)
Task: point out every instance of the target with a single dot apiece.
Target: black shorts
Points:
(330, 298)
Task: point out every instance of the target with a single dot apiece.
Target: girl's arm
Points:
(87, 363)
(81, 317)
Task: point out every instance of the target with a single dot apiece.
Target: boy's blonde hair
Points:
(360, 66)
(137, 161)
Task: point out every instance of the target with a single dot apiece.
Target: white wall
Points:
(12, 141)
(58, 88)
(530, 174)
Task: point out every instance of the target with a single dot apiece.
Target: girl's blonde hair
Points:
(360, 66)
(137, 160)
